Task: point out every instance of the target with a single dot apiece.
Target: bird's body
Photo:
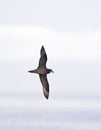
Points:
(42, 70)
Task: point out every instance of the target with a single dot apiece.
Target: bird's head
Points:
(50, 70)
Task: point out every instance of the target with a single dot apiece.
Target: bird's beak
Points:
(52, 71)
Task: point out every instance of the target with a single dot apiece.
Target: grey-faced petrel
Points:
(42, 70)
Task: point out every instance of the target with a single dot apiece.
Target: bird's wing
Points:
(43, 57)
(45, 85)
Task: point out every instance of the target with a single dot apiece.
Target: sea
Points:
(59, 112)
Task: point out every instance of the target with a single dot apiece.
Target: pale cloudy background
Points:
(71, 34)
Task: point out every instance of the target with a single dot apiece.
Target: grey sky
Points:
(70, 31)
(71, 34)
(62, 15)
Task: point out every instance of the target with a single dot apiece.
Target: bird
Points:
(42, 70)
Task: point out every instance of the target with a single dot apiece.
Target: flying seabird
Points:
(42, 70)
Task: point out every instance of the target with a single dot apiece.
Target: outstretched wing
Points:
(45, 85)
(43, 57)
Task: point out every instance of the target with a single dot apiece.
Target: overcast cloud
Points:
(70, 32)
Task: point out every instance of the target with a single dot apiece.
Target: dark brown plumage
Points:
(42, 70)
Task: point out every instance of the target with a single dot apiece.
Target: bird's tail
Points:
(33, 71)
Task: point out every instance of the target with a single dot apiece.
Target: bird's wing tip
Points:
(47, 98)
(42, 46)
(46, 93)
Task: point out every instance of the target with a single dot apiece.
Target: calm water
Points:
(24, 112)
